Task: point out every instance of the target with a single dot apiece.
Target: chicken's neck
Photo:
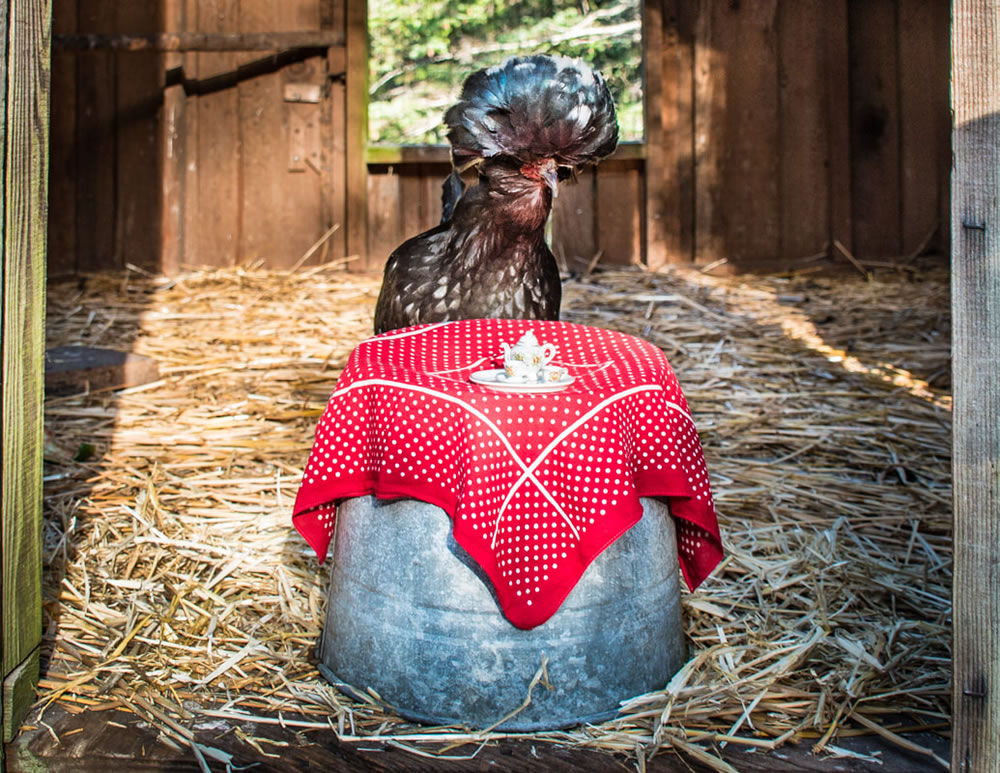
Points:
(503, 216)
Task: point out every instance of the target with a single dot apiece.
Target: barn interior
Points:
(217, 215)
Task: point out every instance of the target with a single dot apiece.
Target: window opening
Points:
(422, 50)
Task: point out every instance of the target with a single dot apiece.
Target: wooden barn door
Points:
(252, 179)
(199, 133)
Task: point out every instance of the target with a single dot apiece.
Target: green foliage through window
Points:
(422, 50)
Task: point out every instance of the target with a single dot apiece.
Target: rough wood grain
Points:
(875, 121)
(336, 149)
(654, 94)
(835, 50)
(749, 130)
(280, 205)
(804, 183)
(709, 105)
(89, 744)
(62, 156)
(384, 231)
(574, 228)
(171, 148)
(356, 129)
(619, 212)
(95, 148)
(25, 113)
(137, 40)
(923, 106)
(975, 235)
(216, 165)
(677, 126)
(139, 94)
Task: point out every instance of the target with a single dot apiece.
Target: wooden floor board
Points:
(95, 742)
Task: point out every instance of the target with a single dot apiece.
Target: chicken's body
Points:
(490, 260)
(524, 125)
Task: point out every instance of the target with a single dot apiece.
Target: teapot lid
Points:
(528, 339)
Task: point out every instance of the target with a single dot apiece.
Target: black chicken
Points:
(525, 125)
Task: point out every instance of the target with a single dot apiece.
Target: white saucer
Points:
(497, 379)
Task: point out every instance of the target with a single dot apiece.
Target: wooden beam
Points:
(24, 115)
(199, 41)
(441, 154)
(171, 149)
(656, 185)
(975, 282)
(356, 108)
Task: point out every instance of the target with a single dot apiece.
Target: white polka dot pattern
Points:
(537, 485)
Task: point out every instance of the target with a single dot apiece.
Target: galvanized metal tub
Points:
(411, 616)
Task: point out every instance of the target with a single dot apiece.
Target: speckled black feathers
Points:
(532, 108)
(523, 125)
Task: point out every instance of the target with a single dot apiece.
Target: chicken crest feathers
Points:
(532, 108)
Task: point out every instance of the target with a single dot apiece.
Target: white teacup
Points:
(553, 373)
(520, 371)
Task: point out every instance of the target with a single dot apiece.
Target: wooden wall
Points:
(775, 129)
(600, 212)
(24, 127)
(165, 159)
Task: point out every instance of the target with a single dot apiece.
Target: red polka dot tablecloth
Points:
(537, 485)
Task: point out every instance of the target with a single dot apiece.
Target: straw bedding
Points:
(177, 589)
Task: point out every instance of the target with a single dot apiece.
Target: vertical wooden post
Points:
(975, 281)
(24, 42)
(172, 150)
(838, 105)
(357, 132)
(655, 171)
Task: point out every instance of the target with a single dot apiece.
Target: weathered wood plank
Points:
(975, 264)
(804, 184)
(25, 32)
(280, 196)
(923, 99)
(677, 126)
(384, 226)
(172, 152)
(709, 106)
(356, 131)
(216, 167)
(337, 148)
(619, 212)
(136, 40)
(62, 154)
(331, 20)
(836, 52)
(874, 84)
(414, 184)
(190, 215)
(433, 176)
(139, 95)
(95, 148)
(574, 225)
(90, 744)
(747, 200)
(655, 93)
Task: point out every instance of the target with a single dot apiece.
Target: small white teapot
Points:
(526, 360)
